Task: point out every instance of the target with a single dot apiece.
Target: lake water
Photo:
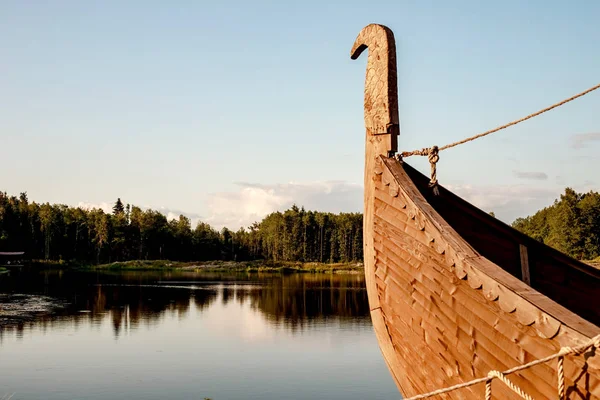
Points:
(187, 335)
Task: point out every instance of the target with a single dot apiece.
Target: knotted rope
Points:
(428, 150)
(592, 344)
(433, 155)
(507, 382)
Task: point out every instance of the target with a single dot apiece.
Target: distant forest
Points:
(570, 225)
(60, 232)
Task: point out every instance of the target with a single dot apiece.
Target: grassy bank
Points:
(249, 266)
(52, 264)
(594, 263)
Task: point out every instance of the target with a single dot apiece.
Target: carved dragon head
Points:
(381, 85)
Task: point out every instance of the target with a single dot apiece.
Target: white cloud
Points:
(174, 214)
(106, 207)
(538, 176)
(580, 140)
(508, 202)
(252, 201)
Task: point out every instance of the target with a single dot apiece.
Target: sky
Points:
(226, 111)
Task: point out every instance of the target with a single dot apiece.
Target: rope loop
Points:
(433, 155)
(508, 382)
(561, 378)
(565, 350)
(488, 389)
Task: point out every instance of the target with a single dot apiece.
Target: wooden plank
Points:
(547, 373)
(500, 244)
(525, 276)
(487, 338)
(425, 305)
(527, 294)
(434, 339)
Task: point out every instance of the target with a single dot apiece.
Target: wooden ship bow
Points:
(455, 294)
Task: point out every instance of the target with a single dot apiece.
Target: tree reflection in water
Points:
(135, 298)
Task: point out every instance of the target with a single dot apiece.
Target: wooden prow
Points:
(382, 126)
(381, 86)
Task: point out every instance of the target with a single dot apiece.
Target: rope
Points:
(428, 150)
(561, 378)
(434, 157)
(593, 343)
(507, 382)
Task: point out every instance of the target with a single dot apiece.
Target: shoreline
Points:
(214, 266)
(220, 266)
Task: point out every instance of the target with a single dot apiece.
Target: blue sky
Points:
(226, 111)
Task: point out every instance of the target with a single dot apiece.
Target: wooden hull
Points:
(453, 292)
(444, 314)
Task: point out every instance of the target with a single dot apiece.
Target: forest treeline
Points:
(59, 232)
(570, 225)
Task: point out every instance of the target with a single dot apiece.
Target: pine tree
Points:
(118, 208)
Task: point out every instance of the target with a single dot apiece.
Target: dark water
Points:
(185, 335)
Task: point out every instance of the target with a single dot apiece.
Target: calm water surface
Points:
(186, 335)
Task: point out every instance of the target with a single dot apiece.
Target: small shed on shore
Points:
(12, 258)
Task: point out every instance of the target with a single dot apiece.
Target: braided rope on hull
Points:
(592, 344)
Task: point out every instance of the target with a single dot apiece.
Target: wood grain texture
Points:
(443, 310)
(525, 275)
(381, 122)
(466, 316)
(381, 83)
(569, 282)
